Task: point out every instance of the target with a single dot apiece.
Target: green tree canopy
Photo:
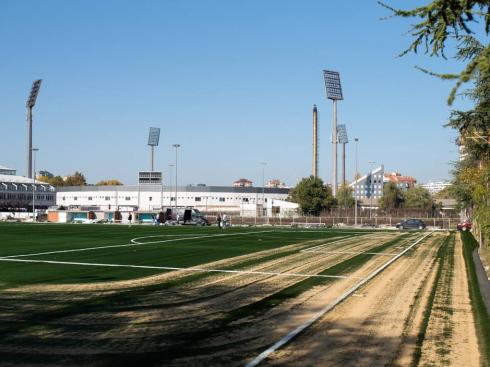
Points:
(312, 195)
(111, 182)
(77, 179)
(56, 181)
(441, 20)
(392, 196)
(345, 197)
(417, 198)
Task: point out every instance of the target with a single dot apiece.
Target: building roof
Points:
(21, 180)
(242, 180)
(158, 188)
(6, 168)
(397, 177)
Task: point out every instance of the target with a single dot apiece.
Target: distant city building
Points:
(7, 171)
(44, 173)
(403, 182)
(276, 183)
(242, 182)
(435, 187)
(369, 186)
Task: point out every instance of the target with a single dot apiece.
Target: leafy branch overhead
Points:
(441, 20)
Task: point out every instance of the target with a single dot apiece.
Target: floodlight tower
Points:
(31, 101)
(153, 139)
(334, 92)
(343, 139)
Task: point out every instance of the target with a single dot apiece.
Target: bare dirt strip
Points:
(214, 319)
(451, 335)
(373, 328)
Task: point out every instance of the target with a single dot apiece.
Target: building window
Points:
(245, 200)
(90, 197)
(172, 199)
(197, 198)
(127, 198)
(150, 198)
(107, 198)
(221, 200)
(75, 198)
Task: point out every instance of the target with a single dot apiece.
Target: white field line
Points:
(191, 269)
(345, 238)
(128, 244)
(262, 356)
(350, 252)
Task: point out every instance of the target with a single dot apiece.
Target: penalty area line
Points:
(128, 244)
(191, 269)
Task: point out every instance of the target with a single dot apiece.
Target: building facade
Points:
(17, 192)
(244, 200)
(435, 187)
(370, 186)
(404, 183)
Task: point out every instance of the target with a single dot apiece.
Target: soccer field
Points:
(118, 295)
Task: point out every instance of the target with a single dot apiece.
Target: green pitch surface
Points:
(61, 253)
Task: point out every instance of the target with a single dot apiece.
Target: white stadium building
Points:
(245, 201)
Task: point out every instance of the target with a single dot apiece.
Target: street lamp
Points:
(356, 140)
(263, 164)
(31, 101)
(34, 150)
(334, 92)
(371, 165)
(176, 146)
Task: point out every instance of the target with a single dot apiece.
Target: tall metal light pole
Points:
(31, 101)
(176, 146)
(153, 139)
(355, 187)
(263, 186)
(34, 150)
(314, 170)
(371, 165)
(334, 92)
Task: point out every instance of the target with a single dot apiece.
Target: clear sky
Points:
(232, 81)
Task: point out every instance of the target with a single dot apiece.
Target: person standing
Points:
(130, 218)
(218, 219)
(225, 220)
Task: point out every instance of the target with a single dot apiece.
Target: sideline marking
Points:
(130, 244)
(284, 340)
(203, 270)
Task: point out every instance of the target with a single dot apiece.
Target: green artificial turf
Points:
(22, 239)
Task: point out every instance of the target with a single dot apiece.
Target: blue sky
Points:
(232, 81)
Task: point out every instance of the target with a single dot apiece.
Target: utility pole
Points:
(176, 146)
(34, 219)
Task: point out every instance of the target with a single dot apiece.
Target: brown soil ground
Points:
(374, 328)
(451, 335)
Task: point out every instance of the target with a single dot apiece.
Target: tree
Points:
(111, 182)
(417, 198)
(56, 181)
(77, 179)
(345, 197)
(443, 19)
(392, 196)
(312, 195)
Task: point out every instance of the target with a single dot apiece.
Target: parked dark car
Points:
(464, 226)
(411, 224)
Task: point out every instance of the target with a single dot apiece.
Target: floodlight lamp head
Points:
(31, 101)
(154, 136)
(332, 85)
(342, 134)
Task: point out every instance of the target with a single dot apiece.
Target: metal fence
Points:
(333, 221)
